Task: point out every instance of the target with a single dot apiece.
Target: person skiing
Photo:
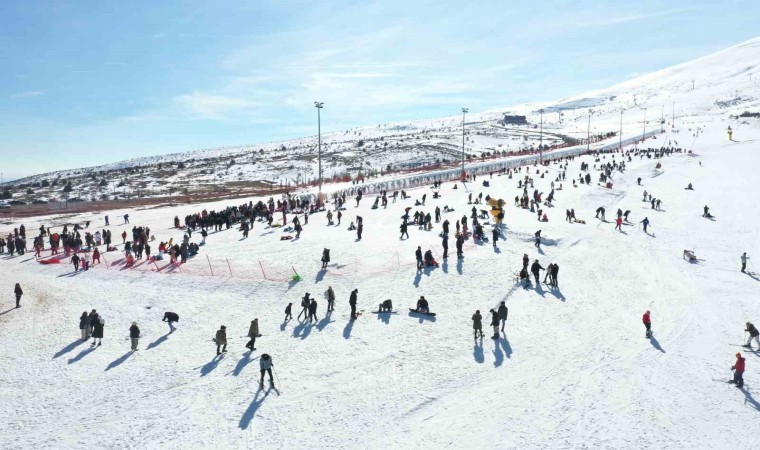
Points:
(536, 269)
(325, 258)
(418, 255)
(134, 335)
(330, 299)
(647, 320)
(84, 323)
(352, 302)
(744, 259)
(422, 305)
(503, 313)
(495, 324)
(265, 365)
(738, 369)
(477, 324)
(17, 290)
(753, 333)
(97, 330)
(619, 223)
(221, 340)
(706, 212)
(170, 317)
(646, 223)
(288, 312)
(253, 333)
(600, 210)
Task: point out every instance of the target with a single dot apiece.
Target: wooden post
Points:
(262, 270)
(209, 265)
(228, 265)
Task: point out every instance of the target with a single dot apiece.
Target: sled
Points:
(434, 263)
(580, 221)
(420, 312)
(286, 238)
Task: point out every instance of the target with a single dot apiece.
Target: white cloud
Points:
(206, 106)
(27, 94)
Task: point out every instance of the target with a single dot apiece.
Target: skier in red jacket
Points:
(738, 369)
(647, 323)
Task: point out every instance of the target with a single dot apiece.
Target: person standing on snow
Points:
(538, 239)
(553, 275)
(221, 340)
(352, 303)
(313, 310)
(97, 330)
(84, 323)
(738, 369)
(503, 313)
(753, 333)
(418, 255)
(646, 319)
(17, 290)
(253, 333)
(265, 365)
(495, 324)
(619, 223)
(460, 243)
(477, 324)
(305, 302)
(134, 335)
(536, 269)
(744, 259)
(445, 243)
(288, 312)
(325, 258)
(330, 299)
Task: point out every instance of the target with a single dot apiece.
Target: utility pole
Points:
(662, 119)
(319, 106)
(541, 138)
(673, 117)
(620, 135)
(644, 136)
(464, 111)
(588, 132)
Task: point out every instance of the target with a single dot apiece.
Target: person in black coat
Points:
(460, 243)
(84, 326)
(289, 312)
(313, 310)
(495, 324)
(445, 243)
(418, 256)
(97, 330)
(536, 269)
(170, 317)
(325, 258)
(352, 302)
(17, 290)
(134, 335)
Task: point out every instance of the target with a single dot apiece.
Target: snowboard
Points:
(420, 312)
(384, 312)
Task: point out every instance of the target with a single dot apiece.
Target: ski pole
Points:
(275, 375)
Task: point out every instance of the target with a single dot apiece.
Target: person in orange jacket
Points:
(647, 323)
(738, 369)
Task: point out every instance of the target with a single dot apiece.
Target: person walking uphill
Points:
(738, 369)
(253, 333)
(477, 324)
(134, 335)
(17, 290)
(265, 365)
(221, 340)
(744, 259)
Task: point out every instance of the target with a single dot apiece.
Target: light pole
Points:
(673, 117)
(541, 138)
(319, 106)
(588, 132)
(621, 131)
(662, 119)
(464, 111)
(644, 136)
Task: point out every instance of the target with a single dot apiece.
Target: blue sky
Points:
(91, 82)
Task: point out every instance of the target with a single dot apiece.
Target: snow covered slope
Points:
(722, 84)
(573, 369)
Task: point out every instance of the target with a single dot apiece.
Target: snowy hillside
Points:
(573, 368)
(720, 84)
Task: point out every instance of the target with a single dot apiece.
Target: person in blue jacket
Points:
(266, 364)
